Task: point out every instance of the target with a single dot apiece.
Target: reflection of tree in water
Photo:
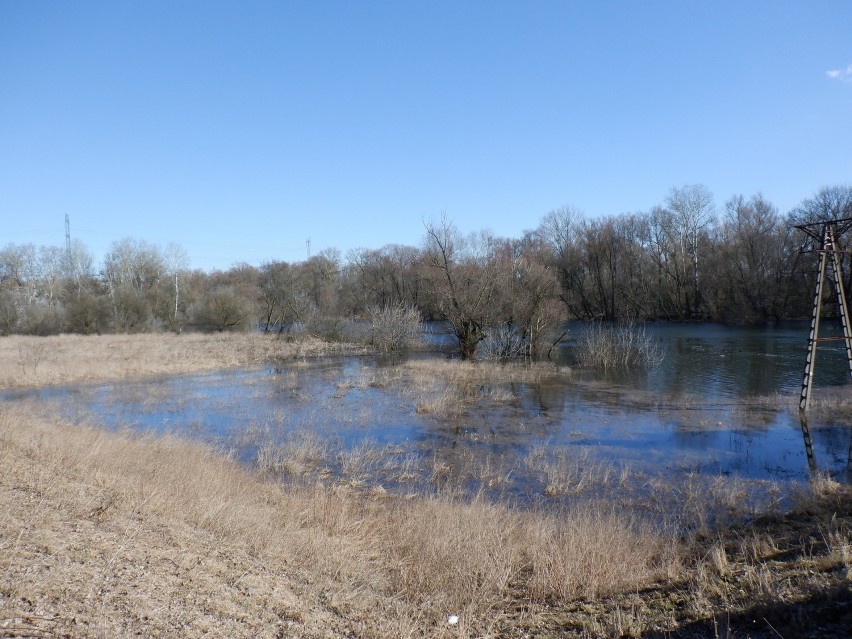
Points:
(690, 437)
(717, 361)
(835, 442)
(543, 399)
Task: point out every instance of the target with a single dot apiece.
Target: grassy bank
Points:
(111, 535)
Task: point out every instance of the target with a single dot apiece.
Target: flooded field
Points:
(722, 403)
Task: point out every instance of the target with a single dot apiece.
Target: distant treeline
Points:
(682, 260)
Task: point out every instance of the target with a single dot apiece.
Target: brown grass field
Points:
(108, 534)
(64, 359)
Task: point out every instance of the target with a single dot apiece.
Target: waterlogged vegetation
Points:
(266, 487)
(714, 401)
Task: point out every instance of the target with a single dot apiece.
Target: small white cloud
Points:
(844, 75)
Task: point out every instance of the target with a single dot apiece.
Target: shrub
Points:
(503, 342)
(395, 326)
(10, 314)
(86, 314)
(618, 347)
(223, 309)
(40, 318)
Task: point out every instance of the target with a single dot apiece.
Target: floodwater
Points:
(722, 403)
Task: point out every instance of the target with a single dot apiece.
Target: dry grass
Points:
(62, 359)
(789, 573)
(574, 472)
(467, 371)
(104, 534)
(782, 575)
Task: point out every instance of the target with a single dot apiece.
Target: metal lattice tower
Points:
(826, 235)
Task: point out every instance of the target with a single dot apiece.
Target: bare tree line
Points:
(686, 259)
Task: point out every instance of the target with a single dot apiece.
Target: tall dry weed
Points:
(591, 550)
(301, 457)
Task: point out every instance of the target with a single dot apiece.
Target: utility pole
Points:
(824, 235)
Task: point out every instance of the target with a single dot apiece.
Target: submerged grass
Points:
(448, 387)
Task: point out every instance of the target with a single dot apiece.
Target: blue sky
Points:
(241, 129)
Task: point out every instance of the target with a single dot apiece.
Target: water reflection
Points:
(836, 450)
(717, 362)
(809, 447)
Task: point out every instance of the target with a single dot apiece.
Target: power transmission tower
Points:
(70, 262)
(824, 235)
(308, 245)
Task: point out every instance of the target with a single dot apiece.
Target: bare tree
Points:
(561, 231)
(51, 267)
(177, 263)
(79, 265)
(10, 312)
(693, 211)
(385, 276)
(134, 263)
(132, 270)
(526, 305)
(755, 259)
(276, 285)
(319, 280)
(19, 271)
(829, 203)
(462, 278)
(601, 264)
(223, 308)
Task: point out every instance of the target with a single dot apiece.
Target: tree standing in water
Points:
(462, 277)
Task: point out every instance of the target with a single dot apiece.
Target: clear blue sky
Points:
(241, 129)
